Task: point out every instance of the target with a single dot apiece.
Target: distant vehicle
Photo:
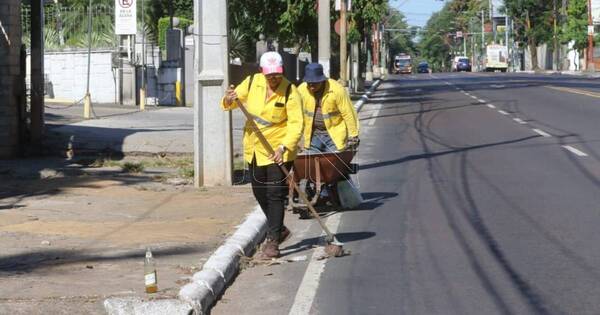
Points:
(461, 64)
(423, 67)
(403, 64)
(496, 58)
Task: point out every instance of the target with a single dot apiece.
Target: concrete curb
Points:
(365, 96)
(217, 272)
(209, 283)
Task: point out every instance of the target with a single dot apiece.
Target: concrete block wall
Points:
(67, 71)
(10, 17)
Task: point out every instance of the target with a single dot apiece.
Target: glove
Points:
(352, 143)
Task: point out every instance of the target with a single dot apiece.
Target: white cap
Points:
(271, 62)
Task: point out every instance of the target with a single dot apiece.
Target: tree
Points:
(402, 40)
(534, 20)
(575, 29)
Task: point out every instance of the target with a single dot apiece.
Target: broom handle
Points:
(265, 143)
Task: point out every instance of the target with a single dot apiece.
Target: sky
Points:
(417, 11)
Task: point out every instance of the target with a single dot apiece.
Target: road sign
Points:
(459, 34)
(125, 17)
(590, 30)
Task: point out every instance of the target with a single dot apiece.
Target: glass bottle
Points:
(150, 279)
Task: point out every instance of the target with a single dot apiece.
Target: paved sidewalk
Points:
(74, 232)
(124, 130)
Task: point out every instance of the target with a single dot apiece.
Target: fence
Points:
(67, 26)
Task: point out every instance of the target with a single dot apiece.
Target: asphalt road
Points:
(482, 197)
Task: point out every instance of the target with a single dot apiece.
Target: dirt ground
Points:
(72, 235)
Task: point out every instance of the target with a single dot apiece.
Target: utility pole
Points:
(482, 34)
(506, 39)
(37, 73)
(87, 100)
(212, 126)
(343, 43)
(143, 88)
(556, 62)
(324, 35)
(590, 50)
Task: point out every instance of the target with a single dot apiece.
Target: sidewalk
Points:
(74, 233)
(592, 75)
(124, 130)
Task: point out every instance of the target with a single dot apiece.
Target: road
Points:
(482, 197)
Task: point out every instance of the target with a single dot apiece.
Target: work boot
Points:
(270, 250)
(284, 235)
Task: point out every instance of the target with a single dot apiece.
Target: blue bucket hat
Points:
(313, 73)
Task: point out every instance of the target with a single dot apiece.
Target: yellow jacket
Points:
(339, 114)
(280, 123)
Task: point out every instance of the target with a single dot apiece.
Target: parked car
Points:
(423, 67)
(461, 64)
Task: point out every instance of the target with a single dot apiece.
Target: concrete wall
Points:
(10, 16)
(67, 73)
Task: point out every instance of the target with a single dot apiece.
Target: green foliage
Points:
(157, 9)
(163, 25)
(400, 41)
(298, 22)
(238, 46)
(294, 22)
(576, 24)
(534, 22)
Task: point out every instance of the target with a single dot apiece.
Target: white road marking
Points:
(502, 112)
(497, 86)
(467, 93)
(481, 101)
(310, 282)
(541, 133)
(474, 97)
(520, 121)
(574, 151)
(374, 116)
(491, 106)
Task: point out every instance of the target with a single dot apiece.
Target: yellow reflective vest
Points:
(280, 122)
(338, 112)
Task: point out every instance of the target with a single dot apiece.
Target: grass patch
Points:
(186, 172)
(133, 167)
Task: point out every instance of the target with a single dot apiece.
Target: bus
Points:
(402, 64)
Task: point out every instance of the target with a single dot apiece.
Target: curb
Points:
(218, 271)
(365, 96)
(208, 284)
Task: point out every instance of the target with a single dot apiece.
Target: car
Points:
(462, 64)
(423, 67)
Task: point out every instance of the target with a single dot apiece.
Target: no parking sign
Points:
(125, 17)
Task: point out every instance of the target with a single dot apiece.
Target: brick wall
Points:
(10, 17)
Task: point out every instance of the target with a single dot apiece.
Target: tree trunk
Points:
(531, 43)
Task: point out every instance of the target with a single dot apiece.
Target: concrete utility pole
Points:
(506, 39)
(590, 50)
(343, 43)
(143, 88)
(87, 99)
(324, 35)
(37, 73)
(556, 62)
(212, 126)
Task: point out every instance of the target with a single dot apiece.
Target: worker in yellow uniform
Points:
(330, 120)
(276, 107)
